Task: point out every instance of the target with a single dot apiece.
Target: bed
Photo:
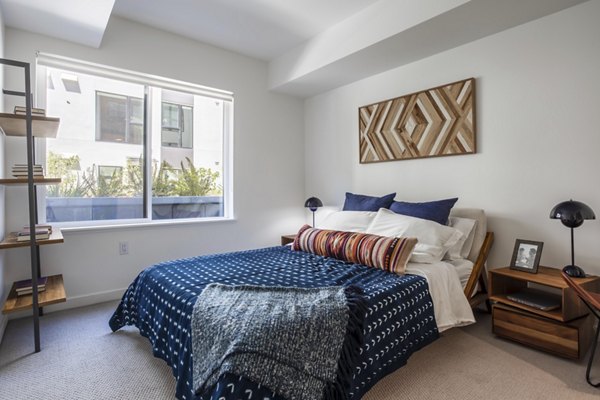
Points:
(404, 312)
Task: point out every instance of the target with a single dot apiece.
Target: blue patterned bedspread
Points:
(160, 300)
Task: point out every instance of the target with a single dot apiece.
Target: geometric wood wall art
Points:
(431, 123)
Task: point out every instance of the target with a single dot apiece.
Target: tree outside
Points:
(166, 180)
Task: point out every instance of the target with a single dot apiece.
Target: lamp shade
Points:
(312, 203)
(572, 213)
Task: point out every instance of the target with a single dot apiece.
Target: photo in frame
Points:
(526, 255)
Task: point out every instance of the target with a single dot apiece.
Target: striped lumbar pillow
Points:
(387, 253)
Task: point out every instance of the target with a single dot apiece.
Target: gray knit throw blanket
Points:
(300, 343)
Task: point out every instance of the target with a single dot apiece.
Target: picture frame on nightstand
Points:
(526, 255)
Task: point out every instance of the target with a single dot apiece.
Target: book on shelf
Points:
(29, 291)
(38, 231)
(37, 228)
(25, 175)
(25, 166)
(25, 286)
(40, 234)
(37, 237)
(22, 110)
(21, 170)
(25, 169)
(26, 283)
(28, 288)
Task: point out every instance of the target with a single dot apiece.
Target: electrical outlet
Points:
(123, 248)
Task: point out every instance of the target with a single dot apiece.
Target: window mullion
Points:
(180, 112)
(147, 161)
(128, 118)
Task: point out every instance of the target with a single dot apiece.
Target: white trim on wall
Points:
(72, 302)
(88, 299)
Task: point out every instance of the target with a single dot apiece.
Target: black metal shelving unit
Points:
(32, 194)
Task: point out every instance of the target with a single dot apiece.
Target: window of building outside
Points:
(177, 125)
(133, 150)
(119, 118)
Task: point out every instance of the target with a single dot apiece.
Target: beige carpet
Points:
(82, 359)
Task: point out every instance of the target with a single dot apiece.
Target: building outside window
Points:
(109, 169)
(177, 125)
(119, 118)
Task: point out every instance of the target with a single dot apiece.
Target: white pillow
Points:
(349, 221)
(434, 239)
(462, 248)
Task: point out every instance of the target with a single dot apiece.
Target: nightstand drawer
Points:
(567, 340)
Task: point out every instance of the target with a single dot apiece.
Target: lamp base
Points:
(574, 271)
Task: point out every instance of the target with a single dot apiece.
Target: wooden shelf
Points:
(36, 181)
(553, 314)
(504, 281)
(54, 293)
(14, 125)
(39, 126)
(566, 331)
(546, 276)
(11, 240)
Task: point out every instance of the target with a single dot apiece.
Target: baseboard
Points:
(88, 300)
(75, 302)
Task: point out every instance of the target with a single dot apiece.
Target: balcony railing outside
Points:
(66, 209)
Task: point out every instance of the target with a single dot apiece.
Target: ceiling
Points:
(311, 46)
(258, 28)
(81, 21)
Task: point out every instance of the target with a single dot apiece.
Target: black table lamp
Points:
(312, 203)
(572, 214)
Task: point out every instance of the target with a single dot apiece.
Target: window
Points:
(177, 126)
(133, 147)
(119, 118)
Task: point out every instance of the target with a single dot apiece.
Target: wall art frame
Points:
(436, 122)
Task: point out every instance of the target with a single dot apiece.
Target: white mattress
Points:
(451, 307)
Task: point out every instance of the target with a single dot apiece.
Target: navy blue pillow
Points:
(360, 202)
(437, 211)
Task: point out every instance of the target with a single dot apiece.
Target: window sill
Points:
(74, 227)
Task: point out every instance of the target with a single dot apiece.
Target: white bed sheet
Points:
(463, 269)
(451, 308)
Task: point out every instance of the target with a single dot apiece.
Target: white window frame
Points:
(44, 60)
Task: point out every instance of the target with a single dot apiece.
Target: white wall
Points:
(538, 95)
(268, 158)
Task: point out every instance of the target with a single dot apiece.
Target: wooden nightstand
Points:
(286, 239)
(566, 331)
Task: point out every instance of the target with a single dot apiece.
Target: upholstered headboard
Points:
(480, 228)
